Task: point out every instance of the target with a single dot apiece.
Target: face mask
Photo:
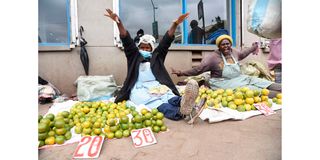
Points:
(145, 54)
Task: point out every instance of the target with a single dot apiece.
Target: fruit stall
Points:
(72, 121)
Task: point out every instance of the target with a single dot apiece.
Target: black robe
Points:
(156, 63)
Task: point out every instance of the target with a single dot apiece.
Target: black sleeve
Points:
(164, 45)
(136, 39)
(130, 47)
(42, 81)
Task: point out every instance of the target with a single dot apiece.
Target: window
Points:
(152, 16)
(208, 19)
(55, 28)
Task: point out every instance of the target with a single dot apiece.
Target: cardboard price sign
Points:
(89, 147)
(143, 137)
(263, 108)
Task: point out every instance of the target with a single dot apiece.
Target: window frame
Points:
(72, 31)
(231, 15)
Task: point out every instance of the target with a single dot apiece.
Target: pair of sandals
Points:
(188, 105)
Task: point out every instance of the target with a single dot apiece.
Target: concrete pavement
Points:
(256, 138)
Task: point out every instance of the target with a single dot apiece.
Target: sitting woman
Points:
(148, 81)
(225, 69)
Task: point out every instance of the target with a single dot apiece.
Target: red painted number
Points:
(93, 143)
(264, 108)
(85, 140)
(137, 138)
(96, 142)
(146, 134)
(143, 137)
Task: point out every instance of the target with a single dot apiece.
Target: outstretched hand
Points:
(177, 72)
(256, 46)
(181, 18)
(112, 15)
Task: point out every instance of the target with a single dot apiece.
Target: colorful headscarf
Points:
(222, 37)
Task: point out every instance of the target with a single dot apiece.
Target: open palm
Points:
(112, 15)
(181, 18)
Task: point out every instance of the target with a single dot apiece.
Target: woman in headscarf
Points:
(225, 69)
(148, 81)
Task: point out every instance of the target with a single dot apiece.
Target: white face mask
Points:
(145, 54)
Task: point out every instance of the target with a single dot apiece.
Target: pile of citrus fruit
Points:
(123, 126)
(111, 120)
(91, 117)
(54, 129)
(241, 99)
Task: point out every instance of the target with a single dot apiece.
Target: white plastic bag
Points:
(264, 18)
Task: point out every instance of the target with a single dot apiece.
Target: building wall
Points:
(63, 68)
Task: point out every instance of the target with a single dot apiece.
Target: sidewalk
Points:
(256, 138)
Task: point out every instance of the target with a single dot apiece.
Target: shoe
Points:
(188, 99)
(197, 111)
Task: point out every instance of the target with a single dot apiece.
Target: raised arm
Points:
(175, 24)
(115, 17)
(169, 36)
(246, 52)
(129, 46)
